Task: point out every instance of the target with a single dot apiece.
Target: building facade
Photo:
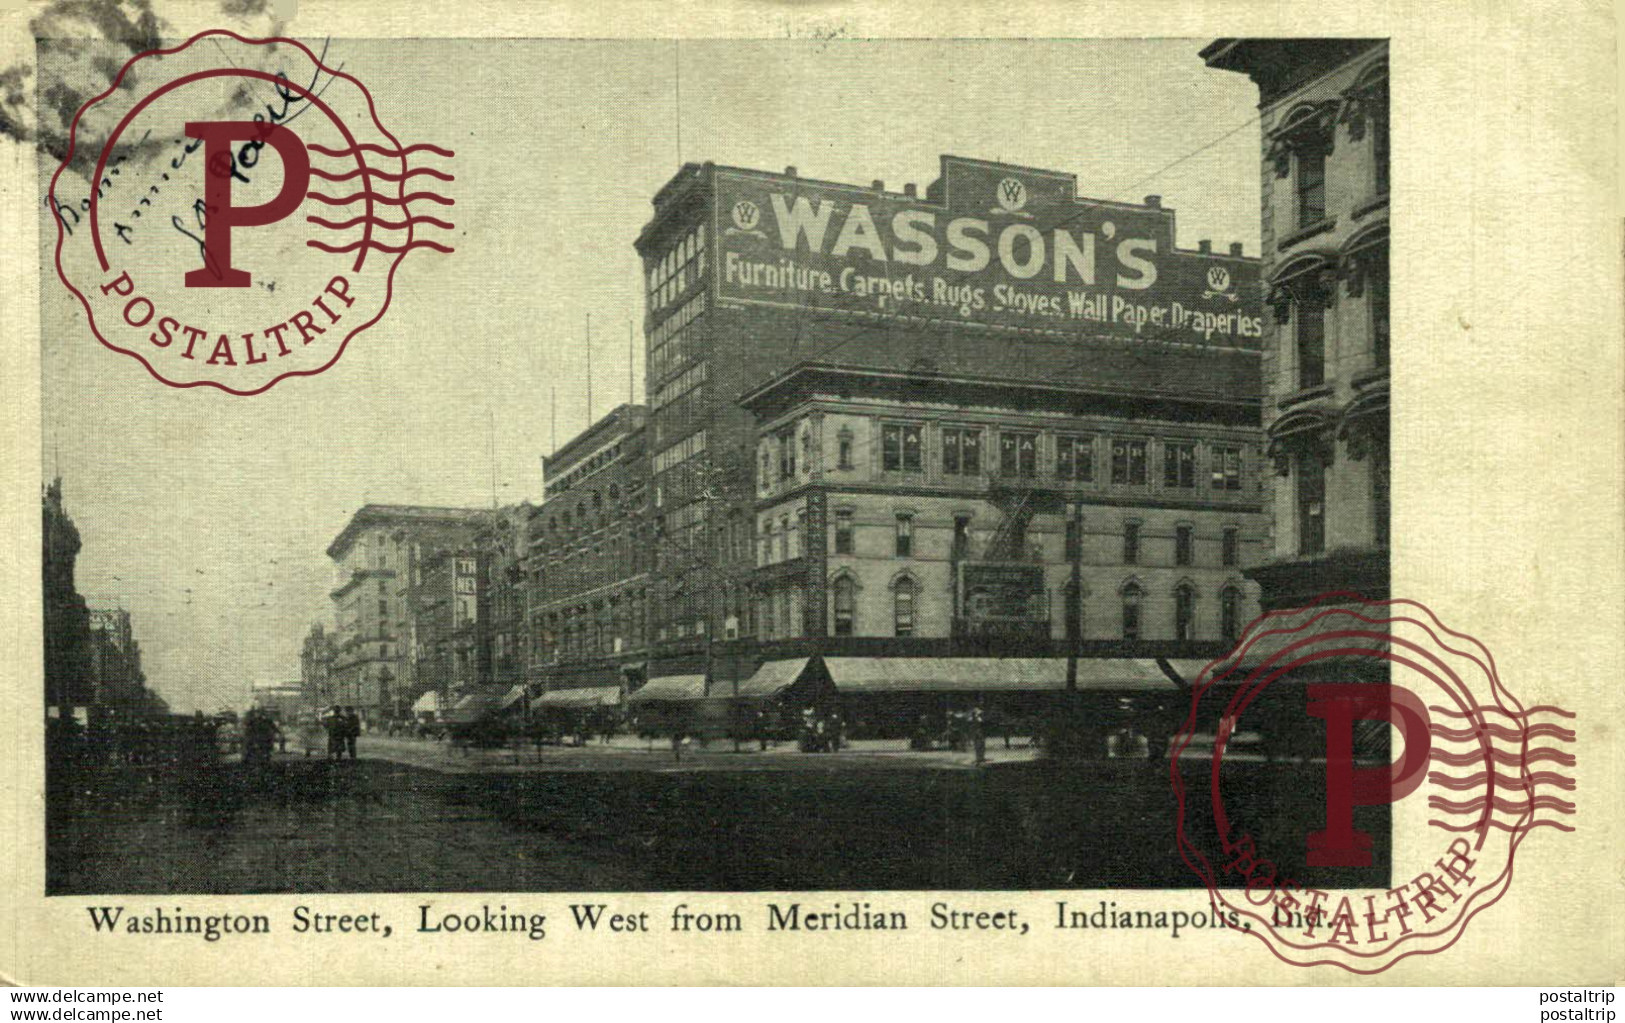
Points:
(588, 557)
(376, 565)
(68, 678)
(949, 513)
(994, 272)
(115, 658)
(1324, 205)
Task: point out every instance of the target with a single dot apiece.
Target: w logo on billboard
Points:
(1012, 197)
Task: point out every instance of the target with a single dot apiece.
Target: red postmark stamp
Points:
(214, 266)
(1475, 770)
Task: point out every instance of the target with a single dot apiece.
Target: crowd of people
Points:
(343, 727)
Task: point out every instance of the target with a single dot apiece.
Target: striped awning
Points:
(578, 699)
(774, 677)
(671, 688)
(998, 674)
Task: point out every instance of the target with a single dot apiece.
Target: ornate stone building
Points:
(1325, 150)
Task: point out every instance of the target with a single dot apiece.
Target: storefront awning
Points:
(578, 699)
(428, 703)
(994, 674)
(774, 677)
(672, 688)
(475, 706)
(511, 697)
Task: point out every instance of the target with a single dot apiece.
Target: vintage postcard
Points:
(837, 495)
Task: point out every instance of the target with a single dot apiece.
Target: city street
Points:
(414, 815)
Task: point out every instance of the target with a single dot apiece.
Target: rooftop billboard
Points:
(1004, 247)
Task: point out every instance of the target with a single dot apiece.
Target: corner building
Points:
(1324, 116)
(997, 302)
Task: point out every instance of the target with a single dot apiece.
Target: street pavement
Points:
(630, 753)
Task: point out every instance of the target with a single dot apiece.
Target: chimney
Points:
(1235, 248)
(1205, 245)
(878, 185)
(1154, 201)
(790, 171)
(911, 191)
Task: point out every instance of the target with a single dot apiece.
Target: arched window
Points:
(1185, 611)
(1132, 597)
(1230, 613)
(903, 607)
(846, 600)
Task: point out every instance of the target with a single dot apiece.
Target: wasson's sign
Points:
(1006, 246)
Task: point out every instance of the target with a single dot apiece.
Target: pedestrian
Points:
(333, 725)
(352, 730)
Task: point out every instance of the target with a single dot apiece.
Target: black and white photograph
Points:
(516, 480)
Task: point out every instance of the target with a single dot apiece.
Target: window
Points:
(1018, 454)
(383, 650)
(1377, 295)
(1132, 595)
(1230, 614)
(1183, 545)
(905, 535)
(961, 536)
(845, 606)
(843, 532)
(787, 453)
(383, 609)
(1178, 464)
(1184, 612)
(900, 447)
(962, 451)
(1311, 186)
(1074, 539)
(1128, 462)
(844, 448)
(1074, 612)
(1131, 543)
(784, 537)
(1226, 468)
(903, 608)
(1232, 547)
(1311, 499)
(1075, 458)
(1310, 321)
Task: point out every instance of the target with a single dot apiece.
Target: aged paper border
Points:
(1507, 435)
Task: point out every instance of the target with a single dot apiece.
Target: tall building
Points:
(1324, 117)
(376, 564)
(994, 272)
(115, 659)
(949, 514)
(588, 557)
(66, 618)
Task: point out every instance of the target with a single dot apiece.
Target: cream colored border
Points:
(1507, 492)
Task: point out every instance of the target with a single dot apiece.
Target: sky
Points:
(207, 516)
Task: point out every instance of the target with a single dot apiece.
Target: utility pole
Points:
(589, 369)
(1075, 600)
(631, 362)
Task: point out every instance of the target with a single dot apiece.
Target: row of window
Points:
(844, 610)
(670, 341)
(1309, 311)
(681, 266)
(689, 380)
(1184, 539)
(1075, 457)
(682, 451)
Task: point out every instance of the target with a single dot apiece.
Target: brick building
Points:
(1324, 119)
(374, 598)
(942, 511)
(996, 273)
(588, 557)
